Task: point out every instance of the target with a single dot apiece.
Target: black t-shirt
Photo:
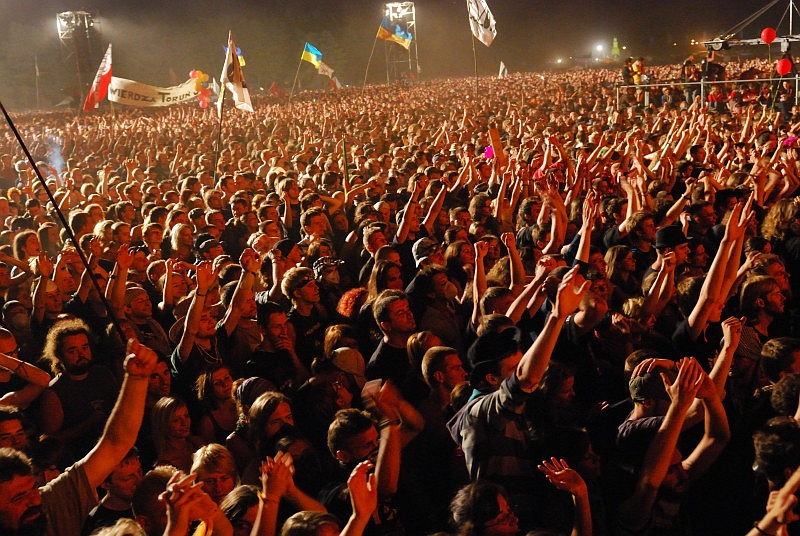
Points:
(309, 332)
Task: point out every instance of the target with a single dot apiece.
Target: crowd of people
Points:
(404, 310)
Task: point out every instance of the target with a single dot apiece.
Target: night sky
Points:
(159, 42)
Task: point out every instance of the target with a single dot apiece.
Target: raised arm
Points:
(126, 417)
(478, 280)
(536, 359)
(205, 277)
(635, 511)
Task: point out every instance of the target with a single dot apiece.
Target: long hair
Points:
(161, 417)
(614, 258)
(378, 278)
(781, 220)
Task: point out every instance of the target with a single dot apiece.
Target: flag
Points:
(396, 34)
(503, 71)
(335, 84)
(238, 53)
(232, 79)
(481, 21)
(311, 55)
(325, 69)
(102, 79)
(277, 90)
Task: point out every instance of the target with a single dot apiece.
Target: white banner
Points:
(481, 21)
(130, 93)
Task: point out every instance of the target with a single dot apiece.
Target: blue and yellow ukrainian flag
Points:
(311, 55)
(396, 34)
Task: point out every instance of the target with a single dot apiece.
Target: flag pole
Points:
(291, 94)
(369, 62)
(474, 53)
(221, 109)
(475, 61)
(345, 176)
(64, 223)
(36, 67)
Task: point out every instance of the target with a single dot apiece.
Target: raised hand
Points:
(275, 477)
(205, 276)
(124, 258)
(684, 389)
(250, 260)
(481, 248)
(42, 265)
(570, 292)
(140, 360)
(562, 476)
(363, 489)
(732, 331)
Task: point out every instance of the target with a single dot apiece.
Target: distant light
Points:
(674, 44)
(624, 47)
(599, 48)
(559, 60)
(597, 59)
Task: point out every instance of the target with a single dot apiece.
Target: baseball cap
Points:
(424, 248)
(350, 361)
(649, 386)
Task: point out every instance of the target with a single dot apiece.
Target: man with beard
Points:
(61, 506)
(354, 436)
(81, 396)
(390, 361)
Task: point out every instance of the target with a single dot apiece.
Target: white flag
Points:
(503, 71)
(481, 21)
(232, 78)
(325, 69)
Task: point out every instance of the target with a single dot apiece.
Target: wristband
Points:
(761, 531)
(686, 198)
(388, 422)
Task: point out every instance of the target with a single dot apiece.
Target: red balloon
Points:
(204, 104)
(768, 35)
(783, 67)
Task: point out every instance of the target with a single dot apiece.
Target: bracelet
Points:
(686, 198)
(388, 422)
(266, 498)
(198, 294)
(760, 530)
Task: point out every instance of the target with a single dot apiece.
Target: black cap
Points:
(670, 236)
(490, 348)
